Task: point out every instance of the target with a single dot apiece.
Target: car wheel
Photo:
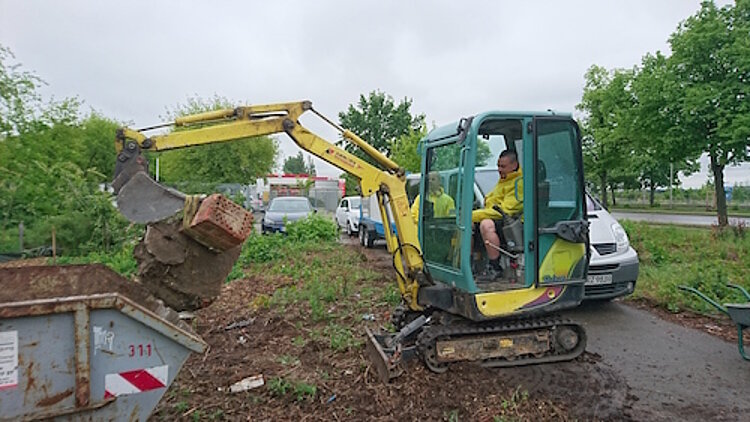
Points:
(362, 236)
(349, 229)
(369, 239)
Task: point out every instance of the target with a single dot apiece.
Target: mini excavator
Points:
(448, 312)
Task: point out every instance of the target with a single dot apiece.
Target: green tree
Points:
(19, 100)
(606, 150)
(380, 122)
(296, 165)
(351, 184)
(228, 162)
(53, 163)
(404, 151)
(711, 63)
(651, 123)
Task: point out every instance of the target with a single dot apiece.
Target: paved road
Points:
(645, 368)
(683, 219)
(670, 369)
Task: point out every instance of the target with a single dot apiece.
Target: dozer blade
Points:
(143, 200)
(386, 362)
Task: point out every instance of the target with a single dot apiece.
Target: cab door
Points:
(558, 238)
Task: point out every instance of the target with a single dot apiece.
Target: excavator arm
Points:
(143, 200)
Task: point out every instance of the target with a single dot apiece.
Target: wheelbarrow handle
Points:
(744, 292)
(704, 297)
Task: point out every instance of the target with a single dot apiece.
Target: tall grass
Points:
(704, 258)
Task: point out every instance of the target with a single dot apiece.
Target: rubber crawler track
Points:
(427, 341)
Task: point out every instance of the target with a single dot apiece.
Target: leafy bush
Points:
(312, 228)
(266, 248)
(261, 248)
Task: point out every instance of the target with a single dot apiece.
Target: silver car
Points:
(285, 209)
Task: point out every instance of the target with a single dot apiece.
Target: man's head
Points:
(433, 182)
(507, 163)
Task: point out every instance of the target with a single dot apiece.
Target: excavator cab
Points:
(543, 253)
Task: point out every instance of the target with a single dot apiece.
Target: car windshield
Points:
(354, 202)
(290, 205)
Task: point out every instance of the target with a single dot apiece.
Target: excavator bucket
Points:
(184, 263)
(143, 200)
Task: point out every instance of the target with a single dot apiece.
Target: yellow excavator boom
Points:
(388, 182)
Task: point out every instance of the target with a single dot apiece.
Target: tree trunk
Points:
(652, 192)
(721, 199)
(603, 189)
(614, 201)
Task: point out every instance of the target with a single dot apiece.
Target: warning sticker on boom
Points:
(8, 359)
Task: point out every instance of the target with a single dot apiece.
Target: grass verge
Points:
(704, 258)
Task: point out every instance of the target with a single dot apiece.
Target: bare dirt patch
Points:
(308, 376)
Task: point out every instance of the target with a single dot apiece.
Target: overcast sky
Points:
(131, 60)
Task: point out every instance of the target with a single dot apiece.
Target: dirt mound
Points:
(59, 281)
(178, 270)
(593, 391)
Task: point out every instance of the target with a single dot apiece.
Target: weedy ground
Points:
(294, 312)
(704, 258)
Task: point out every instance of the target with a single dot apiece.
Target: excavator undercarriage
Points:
(443, 339)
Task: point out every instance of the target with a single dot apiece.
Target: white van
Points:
(614, 265)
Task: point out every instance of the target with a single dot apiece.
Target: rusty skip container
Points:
(82, 343)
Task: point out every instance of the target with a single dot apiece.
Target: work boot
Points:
(490, 274)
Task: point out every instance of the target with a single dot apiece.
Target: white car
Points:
(613, 269)
(347, 214)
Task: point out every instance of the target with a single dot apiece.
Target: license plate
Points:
(597, 279)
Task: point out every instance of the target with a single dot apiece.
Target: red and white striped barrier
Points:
(135, 381)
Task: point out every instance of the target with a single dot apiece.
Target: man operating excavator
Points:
(508, 196)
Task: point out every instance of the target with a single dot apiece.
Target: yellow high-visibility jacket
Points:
(442, 204)
(504, 194)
